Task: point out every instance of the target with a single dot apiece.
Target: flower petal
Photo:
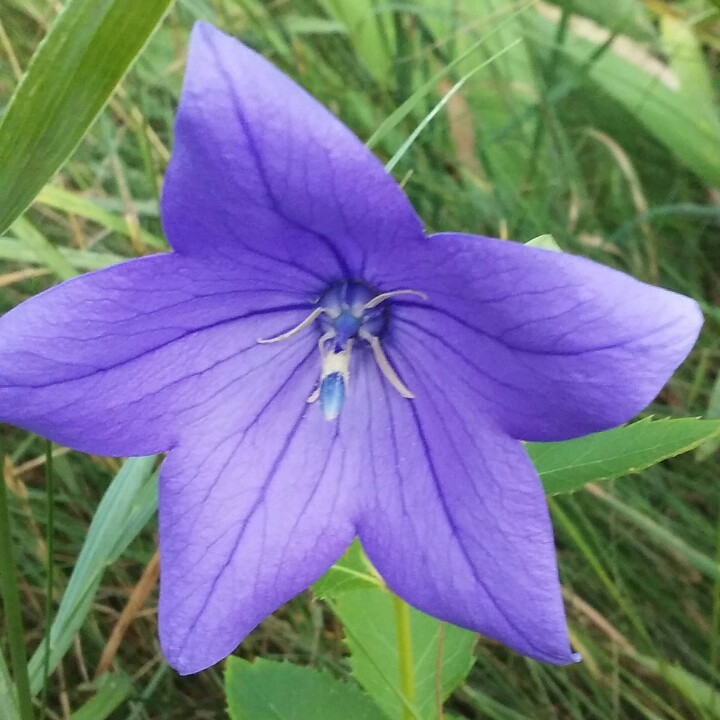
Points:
(116, 361)
(260, 168)
(457, 523)
(550, 345)
(255, 505)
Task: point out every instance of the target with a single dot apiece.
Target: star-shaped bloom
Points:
(318, 368)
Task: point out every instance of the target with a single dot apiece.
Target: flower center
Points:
(347, 312)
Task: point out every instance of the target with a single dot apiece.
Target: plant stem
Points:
(405, 656)
(11, 602)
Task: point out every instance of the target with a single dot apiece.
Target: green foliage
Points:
(568, 466)
(113, 690)
(263, 689)
(44, 251)
(124, 511)
(513, 151)
(370, 30)
(8, 700)
(545, 242)
(677, 114)
(352, 572)
(87, 52)
(370, 625)
(702, 694)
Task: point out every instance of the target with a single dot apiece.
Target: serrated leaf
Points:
(265, 690)
(351, 572)
(368, 617)
(89, 48)
(567, 466)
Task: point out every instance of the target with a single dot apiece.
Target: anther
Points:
(347, 312)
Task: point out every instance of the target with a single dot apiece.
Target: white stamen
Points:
(387, 295)
(309, 320)
(335, 360)
(384, 364)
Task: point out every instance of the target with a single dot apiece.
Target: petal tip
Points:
(204, 35)
(696, 319)
(689, 320)
(188, 658)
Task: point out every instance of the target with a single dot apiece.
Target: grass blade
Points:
(113, 691)
(125, 508)
(86, 53)
(11, 605)
(8, 700)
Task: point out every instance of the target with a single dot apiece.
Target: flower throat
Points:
(347, 312)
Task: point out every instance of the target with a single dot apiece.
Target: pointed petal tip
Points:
(554, 648)
(190, 661)
(205, 37)
(203, 27)
(689, 320)
(694, 318)
(567, 658)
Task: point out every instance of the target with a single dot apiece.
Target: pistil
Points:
(347, 312)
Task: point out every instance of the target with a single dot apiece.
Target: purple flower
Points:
(318, 368)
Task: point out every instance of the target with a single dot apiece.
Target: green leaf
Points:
(546, 242)
(713, 412)
(648, 89)
(45, 252)
(368, 617)
(370, 31)
(124, 510)
(112, 691)
(88, 50)
(18, 251)
(8, 699)
(266, 690)
(352, 572)
(75, 204)
(687, 59)
(567, 466)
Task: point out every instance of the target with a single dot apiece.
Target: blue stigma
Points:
(346, 314)
(332, 395)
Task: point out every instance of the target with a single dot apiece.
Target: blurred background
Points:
(596, 122)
